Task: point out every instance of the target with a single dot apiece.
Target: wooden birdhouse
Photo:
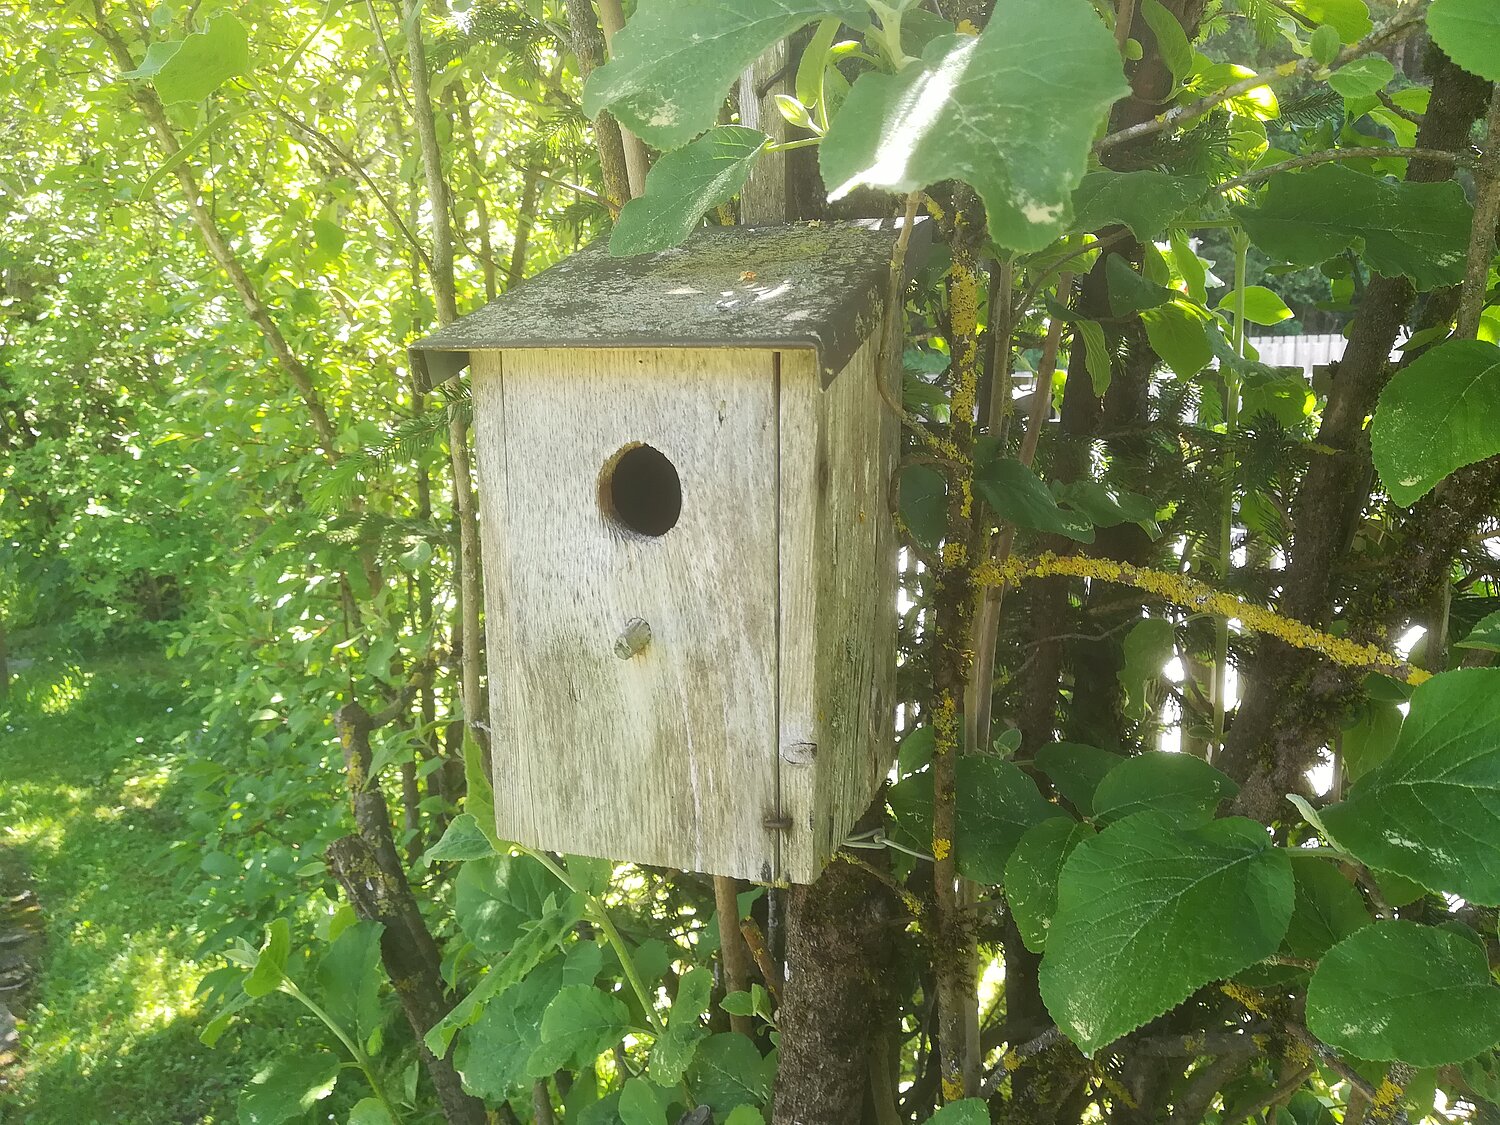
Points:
(685, 469)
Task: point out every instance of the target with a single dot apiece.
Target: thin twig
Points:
(1286, 1089)
(1482, 238)
(1011, 1061)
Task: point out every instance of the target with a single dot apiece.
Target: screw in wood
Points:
(635, 638)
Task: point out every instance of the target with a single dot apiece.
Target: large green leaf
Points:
(1484, 636)
(1032, 872)
(1180, 785)
(288, 1088)
(495, 899)
(1399, 990)
(675, 60)
(1077, 770)
(1149, 911)
(580, 1024)
(1147, 202)
(995, 805)
(201, 63)
(492, 1053)
(524, 956)
(1469, 31)
(1418, 230)
(1327, 910)
(1438, 415)
(674, 1050)
(1011, 111)
(969, 1111)
(729, 1072)
(270, 967)
(349, 975)
(1431, 811)
(1178, 333)
(683, 186)
(1350, 18)
(463, 839)
(1018, 496)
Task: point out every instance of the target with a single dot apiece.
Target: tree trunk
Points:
(369, 869)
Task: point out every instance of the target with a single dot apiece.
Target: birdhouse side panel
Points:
(838, 602)
(632, 630)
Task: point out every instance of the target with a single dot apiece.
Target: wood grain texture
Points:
(668, 757)
(838, 604)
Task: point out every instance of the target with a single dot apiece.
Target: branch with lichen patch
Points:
(1200, 597)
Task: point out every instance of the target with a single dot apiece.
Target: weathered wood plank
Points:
(667, 757)
(838, 625)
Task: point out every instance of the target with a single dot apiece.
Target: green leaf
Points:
(969, 1111)
(1325, 44)
(462, 839)
(270, 966)
(1363, 77)
(492, 1053)
(1431, 811)
(349, 974)
(204, 61)
(924, 503)
(1469, 32)
(1171, 41)
(674, 1050)
(1149, 911)
(1096, 355)
(1369, 740)
(1183, 787)
(1399, 990)
(1417, 230)
(996, 803)
(1011, 111)
(1129, 292)
(674, 61)
(1032, 872)
(580, 1024)
(1484, 636)
(1104, 505)
(729, 1072)
(1147, 648)
(1350, 18)
(1077, 770)
(745, 1115)
(1147, 202)
(1327, 909)
(369, 1111)
(1177, 334)
(915, 750)
(524, 956)
(641, 1104)
(1437, 415)
(288, 1088)
(1262, 306)
(1017, 496)
(683, 186)
(496, 898)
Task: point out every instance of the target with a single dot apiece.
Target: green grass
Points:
(86, 762)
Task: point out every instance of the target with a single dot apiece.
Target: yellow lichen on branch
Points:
(1191, 594)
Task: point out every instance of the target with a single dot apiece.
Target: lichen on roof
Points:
(806, 285)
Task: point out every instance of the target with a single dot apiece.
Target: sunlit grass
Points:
(86, 765)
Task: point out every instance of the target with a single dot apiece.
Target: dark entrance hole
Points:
(642, 491)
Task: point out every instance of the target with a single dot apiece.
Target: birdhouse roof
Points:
(806, 285)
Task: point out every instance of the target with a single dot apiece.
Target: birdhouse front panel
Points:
(685, 464)
(631, 599)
